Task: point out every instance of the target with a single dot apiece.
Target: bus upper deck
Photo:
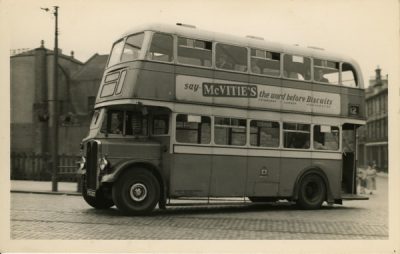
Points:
(181, 64)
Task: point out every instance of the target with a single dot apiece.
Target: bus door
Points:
(349, 167)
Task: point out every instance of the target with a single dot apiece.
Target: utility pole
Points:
(54, 108)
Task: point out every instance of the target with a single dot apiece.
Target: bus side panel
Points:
(290, 170)
(262, 177)
(228, 176)
(190, 175)
(353, 97)
(160, 82)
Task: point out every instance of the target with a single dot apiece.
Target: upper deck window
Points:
(194, 52)
(128, 51)
(297, 67)
(161, 48)
(133, 45)
(326, 71)
(116, 52)
(349, 75)
(265, 62)
(230, 57)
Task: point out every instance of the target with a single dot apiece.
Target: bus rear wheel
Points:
(136, 192)
(312, 192)
(98, 202)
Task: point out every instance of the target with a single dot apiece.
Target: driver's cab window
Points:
(126, 123)
(160, 124)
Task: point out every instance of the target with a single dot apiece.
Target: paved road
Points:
(35, 216)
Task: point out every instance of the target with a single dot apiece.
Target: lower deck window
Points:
(264, 133)
(296, 135)
(326, 137)
(193, 129)
(230, 131)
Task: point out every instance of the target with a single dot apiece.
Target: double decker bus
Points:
(182, 112)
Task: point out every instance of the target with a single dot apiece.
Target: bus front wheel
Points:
(136, 192)
(312, 192)
(98, 202)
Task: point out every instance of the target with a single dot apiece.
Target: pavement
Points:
(64, 188)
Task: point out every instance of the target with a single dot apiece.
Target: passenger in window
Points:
(319, 76)
(319, 146)
(254, 67)
(224, 63)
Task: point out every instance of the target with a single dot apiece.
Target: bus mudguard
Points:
(313, 170)
(130, 165)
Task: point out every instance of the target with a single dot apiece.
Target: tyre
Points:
(312, 192)
(262, 199)
(136, 192)
(98, 202)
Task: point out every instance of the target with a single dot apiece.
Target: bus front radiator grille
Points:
(91, 168)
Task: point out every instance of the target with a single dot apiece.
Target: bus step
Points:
(354, 197)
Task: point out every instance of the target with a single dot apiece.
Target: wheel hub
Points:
(138, 192)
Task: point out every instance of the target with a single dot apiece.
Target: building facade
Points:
(31, 74)
(373, 138)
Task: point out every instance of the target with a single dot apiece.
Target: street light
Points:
(53, 107)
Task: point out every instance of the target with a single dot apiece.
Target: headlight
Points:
(103, 163)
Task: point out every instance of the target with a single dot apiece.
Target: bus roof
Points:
(195, 33)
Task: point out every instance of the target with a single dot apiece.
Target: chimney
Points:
(42, 43)
(378, 77)
(72, 54)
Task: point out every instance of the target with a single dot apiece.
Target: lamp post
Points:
(53, 107)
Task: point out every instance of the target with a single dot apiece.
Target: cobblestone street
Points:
(36, 216)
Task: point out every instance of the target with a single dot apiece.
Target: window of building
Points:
(326, 71)
(230, 57)
(264, 133)
(132, 47)
(161, 48)
(229, 131)
(194, 52)
(297, 67)
(326, 137)
(349, 75)
(296, 135)
(385, 127)
(160, 124)
(193, 129)
(265, 62)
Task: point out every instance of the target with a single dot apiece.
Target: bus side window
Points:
(194, 52)
(230, 131)
(297, 67)
(161, 48)
(349, 75)
(230, 57)
(265, 62)
(296, 135)
(326, 71)
(326, 137)
(160, 124)
(193, 129)
(264, 133)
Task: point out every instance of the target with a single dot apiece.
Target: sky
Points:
(365, 30)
